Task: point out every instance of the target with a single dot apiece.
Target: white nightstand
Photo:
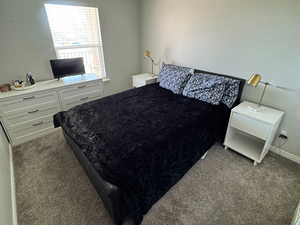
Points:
(252, 133)
(140, 80)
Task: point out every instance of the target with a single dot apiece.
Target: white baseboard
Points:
(285, 154)
(13, 187)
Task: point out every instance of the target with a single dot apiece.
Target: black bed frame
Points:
(110, 194)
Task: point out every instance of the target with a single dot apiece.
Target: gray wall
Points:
(26, 44)
(233, 37)
(6, 216)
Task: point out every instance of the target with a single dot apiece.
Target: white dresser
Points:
(28, 114)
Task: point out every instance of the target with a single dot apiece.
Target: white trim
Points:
(204, 156)
(296, 219)
(13, 188)
(285, 154)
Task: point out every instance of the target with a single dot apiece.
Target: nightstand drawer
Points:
(143, 79)
(139, 83)
(251, 126)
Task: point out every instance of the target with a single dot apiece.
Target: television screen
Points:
(67, 67)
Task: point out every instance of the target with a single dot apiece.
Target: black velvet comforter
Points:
(144, 140)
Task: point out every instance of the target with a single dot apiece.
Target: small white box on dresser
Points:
(251, 133)
(28, 114)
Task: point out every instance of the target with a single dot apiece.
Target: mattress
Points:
(144, 140)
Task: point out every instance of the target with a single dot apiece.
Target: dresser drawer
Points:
(31, 114)
(23, 131)
(80, 89)
(251, 126)
(14, 105)
(32, 111)
(32, 125)
(71, 101)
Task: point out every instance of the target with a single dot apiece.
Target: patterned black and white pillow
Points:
(205, 87)
(174, 78)
(231, 91)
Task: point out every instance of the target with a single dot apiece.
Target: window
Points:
(76, 33)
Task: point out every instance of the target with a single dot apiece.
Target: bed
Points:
(136, 145)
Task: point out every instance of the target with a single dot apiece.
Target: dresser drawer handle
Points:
(83, 99)
(28, 98)
(83, 86)
(38, 124)
(34, 111)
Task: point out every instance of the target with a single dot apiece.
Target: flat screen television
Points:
(67, 67)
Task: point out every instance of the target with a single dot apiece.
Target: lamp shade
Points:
(147, 53)
(254, 80)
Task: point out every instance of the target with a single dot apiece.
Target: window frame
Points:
(98, 46)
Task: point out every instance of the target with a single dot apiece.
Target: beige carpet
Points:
(224, 189)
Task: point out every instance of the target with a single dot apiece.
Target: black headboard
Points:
(242, 84)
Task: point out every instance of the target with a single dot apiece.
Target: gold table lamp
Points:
(254, 81)
(147, 54)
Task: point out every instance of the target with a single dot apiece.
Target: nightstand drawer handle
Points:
(83, 99)
(38, 124)
(34, 111)
(83, 86)
(28, 98)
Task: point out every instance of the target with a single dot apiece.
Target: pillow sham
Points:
(205, 87)
(174, 78)
(231, 92)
